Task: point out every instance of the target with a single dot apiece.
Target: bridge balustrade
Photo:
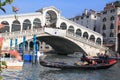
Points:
(84, 40)
(22, 33)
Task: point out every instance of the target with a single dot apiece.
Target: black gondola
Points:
(63, 65)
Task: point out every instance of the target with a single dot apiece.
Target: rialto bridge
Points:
(63, 35)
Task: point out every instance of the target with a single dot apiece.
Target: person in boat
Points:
(83, 58)
(106, 58)
(103, 58)
(87, 60)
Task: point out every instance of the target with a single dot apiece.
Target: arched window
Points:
(104, 19)
(112, 18)
(79, 32)
(98, 41)
(63, 26)
(71, 29)
(92, 38)
(26, 24)
(94, 28)
(36, 23)
(5, 28)
(111, 34)
(104, 35)
(85, 35)
(112, 26)
(16, 26)
(104, 27)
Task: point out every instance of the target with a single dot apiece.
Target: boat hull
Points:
(63, 65)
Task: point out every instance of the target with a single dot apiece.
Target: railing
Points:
(38, 31)
(69, 21)
(84, 40)
(22, 33)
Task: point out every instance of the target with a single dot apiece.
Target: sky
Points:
(68, 8)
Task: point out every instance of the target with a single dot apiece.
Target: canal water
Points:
(38, 72)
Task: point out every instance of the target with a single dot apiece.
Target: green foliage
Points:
(4, 63)
(9, 1)
(1, 77)
(4, 3)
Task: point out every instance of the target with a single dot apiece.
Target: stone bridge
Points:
(48, 25)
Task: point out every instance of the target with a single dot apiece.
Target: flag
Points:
(15, 9)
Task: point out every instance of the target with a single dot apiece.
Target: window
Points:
(104, 12)
(112, 10)
(94, 28)
(94, 16)
(87, 16)
(81, 17)
(104, 35)
(77, 18)
(111, 34)
(112, 26)
(104, 27)
(104, 19)
(112, 18)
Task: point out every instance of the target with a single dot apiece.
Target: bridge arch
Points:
(92, 38)
(71, 29)
(63, 26)
(6, 27)
(85, 35)
(51, 15)
(98, 40)
(79, 32)
(51, 18)
(16, 26)
(26, 24)
(36, 23)
(61, 45)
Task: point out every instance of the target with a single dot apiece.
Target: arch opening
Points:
(51, 19)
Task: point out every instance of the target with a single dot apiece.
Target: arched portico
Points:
(51, 16)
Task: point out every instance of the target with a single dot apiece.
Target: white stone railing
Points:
(22, 33)
(84, 40)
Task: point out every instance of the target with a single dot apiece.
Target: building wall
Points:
(97, 19)
(90, 19)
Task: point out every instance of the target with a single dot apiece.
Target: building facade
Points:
(90, 19)
(109, 24)
(106, 22)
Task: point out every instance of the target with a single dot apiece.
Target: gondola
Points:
(63, 65)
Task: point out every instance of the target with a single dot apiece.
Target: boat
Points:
(63, 65)
(75, 54)
(12, 59)
(13, 63)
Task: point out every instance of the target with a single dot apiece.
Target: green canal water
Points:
(38, 72)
